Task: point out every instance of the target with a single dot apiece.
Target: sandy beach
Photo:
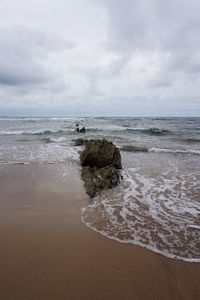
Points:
(46, 252)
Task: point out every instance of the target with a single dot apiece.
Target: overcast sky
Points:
(100, 57)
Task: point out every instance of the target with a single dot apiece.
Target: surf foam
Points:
(160, 214)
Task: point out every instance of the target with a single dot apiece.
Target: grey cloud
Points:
(127, 55)
(169, 27)
(152, 24)
(22, 73)
(162, 80)
(24, 51)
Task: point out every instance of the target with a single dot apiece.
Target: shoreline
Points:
(149, 248)
(48, 253)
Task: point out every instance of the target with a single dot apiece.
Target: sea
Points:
(156, 205)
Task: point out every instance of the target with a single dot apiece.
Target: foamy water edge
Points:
(155, 250)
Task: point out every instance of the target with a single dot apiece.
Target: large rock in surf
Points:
(101, 161)
(100, 153)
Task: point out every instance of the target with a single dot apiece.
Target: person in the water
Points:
(77, 128)
(80, 130)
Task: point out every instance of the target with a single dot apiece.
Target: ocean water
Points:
(157, 205)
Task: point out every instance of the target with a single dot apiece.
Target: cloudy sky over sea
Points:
(100, 57)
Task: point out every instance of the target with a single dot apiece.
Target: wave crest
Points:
(22, 132)
(150, 131)
(175, 151)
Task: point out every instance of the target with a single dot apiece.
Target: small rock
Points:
(79, 142)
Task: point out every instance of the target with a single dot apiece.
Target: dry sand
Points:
(46, 252)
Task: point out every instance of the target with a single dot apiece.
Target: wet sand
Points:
(46, 252)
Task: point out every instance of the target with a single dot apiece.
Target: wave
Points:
(11, 132)
(93, 130)
(150, 131)
(10, 162)
(24, 140)
(47, 132)
(150, 212)
(24, 119)
(190, 140)
(45, 154)
(175, 151)
(15, 163)
(113, 128)
(106, 128)
(22, 132)
(57, 140)
(46, 140)
(161, 119)
(130, 148)
(138, 243)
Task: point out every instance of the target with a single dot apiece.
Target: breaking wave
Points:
(150, 131)
(47, 132)
(22, 132)
(190, 140)
(130, 148)
(175, 151)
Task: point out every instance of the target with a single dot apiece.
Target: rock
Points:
(79, 142)
(99, 179)
(101, 161)
(101, 153)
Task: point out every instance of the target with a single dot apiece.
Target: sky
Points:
(100, 58)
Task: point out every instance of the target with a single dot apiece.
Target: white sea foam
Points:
(160, 214)
(59, 139)
(11, 132)
(175, 151)
(106, 127)
(29, 132)
(44, 153)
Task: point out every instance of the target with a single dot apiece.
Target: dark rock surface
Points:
(101, 161)
(100, 153)
(79, 142)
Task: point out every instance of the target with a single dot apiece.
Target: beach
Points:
(48, 253)
(99, 150)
